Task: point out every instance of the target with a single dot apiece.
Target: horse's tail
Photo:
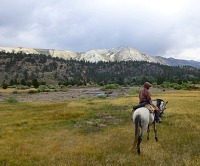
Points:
(137, 121)
(137, 125)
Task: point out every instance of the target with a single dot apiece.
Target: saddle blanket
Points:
(150, 108)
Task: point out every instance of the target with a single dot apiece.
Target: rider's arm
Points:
(154, 106)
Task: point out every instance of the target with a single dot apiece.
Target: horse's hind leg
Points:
(155, 131)
(148, 130)
(137, 135)
(144, 129)
(138, 144)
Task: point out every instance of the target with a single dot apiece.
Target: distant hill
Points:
(105, 55)
(178, 62)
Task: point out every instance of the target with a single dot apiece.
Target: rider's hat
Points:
(147, 85)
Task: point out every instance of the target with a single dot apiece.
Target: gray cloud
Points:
(154, 28)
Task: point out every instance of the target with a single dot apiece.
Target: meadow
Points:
(98, 131)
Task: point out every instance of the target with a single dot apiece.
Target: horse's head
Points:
(161, 105)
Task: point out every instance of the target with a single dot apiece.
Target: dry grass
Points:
(98, 132)
(11, 90)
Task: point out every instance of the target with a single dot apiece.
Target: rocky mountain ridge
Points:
(105, 55)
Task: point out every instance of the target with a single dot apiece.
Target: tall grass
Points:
(98, 132)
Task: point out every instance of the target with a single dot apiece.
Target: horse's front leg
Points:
(155, 131)
(148, 130)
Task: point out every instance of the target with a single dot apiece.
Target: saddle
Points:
(148, 106)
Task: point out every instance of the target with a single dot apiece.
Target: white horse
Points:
(143, 118)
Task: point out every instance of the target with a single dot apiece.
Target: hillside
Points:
(47, 69)
(105, 55)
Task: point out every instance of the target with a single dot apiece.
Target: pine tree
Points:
(35, 83)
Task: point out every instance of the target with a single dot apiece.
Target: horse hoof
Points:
(156, 139)
(147, 138)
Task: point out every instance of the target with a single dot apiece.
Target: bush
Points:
(4, 86)
(22, 87)
(102, 96)
(35, 83)
(134, 92)
(111, 86)
(54, 88)
(42, 88)
(11, 99)
(15, 92)
(32, 91)
(50, 88)
(183, 86)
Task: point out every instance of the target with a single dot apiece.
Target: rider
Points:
(145, 98)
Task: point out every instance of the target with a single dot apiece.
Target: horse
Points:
(143, 118)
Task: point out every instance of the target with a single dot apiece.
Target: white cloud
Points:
(167, 27)
(186, 53)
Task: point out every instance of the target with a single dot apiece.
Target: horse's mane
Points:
(159, 102)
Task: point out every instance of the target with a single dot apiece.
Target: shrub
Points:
(111, 86)
(35, 83)
(4, 86)
(102, 96)
(134, 92)
(11, 99)
(32, 91)
(183, 86)
(22, 87)
(50, 88)
(15, 92)
(42, 88)
(54, 88)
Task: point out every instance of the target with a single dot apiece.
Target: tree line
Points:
(20, 68)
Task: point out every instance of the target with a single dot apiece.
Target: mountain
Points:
(24, 68)
(54, 53)
(115, 54)
(105, 55)
(177, 62)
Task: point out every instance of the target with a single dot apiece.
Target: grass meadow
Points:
(94, 131)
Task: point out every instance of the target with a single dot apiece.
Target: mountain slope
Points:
(178, 62)
(105, 55)
(21, 67)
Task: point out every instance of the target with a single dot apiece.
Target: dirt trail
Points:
(69, 94)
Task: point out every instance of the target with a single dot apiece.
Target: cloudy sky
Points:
(169, 28)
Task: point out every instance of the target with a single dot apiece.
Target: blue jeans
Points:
(156, 116)
(144, 102)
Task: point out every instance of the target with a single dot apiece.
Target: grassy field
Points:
(98, 132)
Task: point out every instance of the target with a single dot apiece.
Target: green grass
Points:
(98, 132)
